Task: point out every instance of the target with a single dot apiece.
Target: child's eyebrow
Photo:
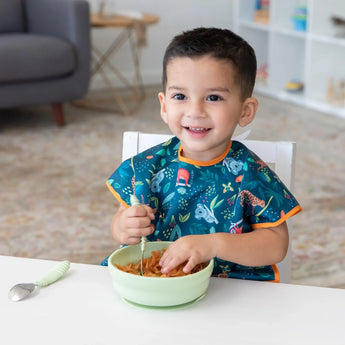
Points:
(212, 89)
(176, 88)
(219, 89)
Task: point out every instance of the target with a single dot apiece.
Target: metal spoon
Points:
(20, 291)
(135, 202)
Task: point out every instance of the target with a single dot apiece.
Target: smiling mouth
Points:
(198, 129)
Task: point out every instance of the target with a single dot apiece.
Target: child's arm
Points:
(129, 224)
(263, 246)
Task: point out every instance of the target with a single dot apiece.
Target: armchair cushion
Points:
(46, 57)
(11, 16)
(44, 52)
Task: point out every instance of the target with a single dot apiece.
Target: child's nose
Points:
(196, 109)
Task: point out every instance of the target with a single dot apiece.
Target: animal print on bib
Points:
(236, 193)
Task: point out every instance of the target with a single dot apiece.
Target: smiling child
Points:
(209, 194)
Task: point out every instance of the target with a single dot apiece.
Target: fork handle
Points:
(135, 202)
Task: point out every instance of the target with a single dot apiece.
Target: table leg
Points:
(102, 60)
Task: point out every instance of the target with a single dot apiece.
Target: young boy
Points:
(210, 195)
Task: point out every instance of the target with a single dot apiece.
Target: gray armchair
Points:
(44, 53)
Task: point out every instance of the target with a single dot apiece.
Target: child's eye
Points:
(214, 98)
(179, 97)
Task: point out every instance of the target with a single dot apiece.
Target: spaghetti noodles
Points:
(151, 267)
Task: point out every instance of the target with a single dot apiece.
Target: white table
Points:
(83, 308)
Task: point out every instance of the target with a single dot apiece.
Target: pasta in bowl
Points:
(155, 290)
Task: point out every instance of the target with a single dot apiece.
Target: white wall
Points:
(175, 17)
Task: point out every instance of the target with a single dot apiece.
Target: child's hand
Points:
(130, 224)
(194, 249)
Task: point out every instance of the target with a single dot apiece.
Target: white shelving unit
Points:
(316, 57)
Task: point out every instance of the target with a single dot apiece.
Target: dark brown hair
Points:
(221, 44)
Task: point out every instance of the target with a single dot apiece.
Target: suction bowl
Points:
(155, 291)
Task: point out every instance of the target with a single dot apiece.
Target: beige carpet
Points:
(54, 203)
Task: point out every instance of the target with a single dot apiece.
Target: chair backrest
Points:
(11, 16)
(280, 156)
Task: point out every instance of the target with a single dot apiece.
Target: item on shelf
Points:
(336, 92)
(299, 18)
(262, 74)
(262, 4)
(339, 24)
(261, 13)
(262, 16)
(294, 86)
(106, 8)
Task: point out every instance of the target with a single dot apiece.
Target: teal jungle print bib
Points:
(235, 194)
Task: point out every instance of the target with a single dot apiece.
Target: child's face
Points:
(202, 105)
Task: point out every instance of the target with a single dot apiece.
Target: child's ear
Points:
(250, 105)
(161, 97)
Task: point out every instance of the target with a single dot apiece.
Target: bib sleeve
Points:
(120, 183)
(265, 200)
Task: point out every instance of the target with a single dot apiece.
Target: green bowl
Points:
(155, 291)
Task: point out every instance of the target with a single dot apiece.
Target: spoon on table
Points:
(22, 290)
(135, 202)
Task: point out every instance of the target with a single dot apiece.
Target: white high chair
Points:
(280, 156)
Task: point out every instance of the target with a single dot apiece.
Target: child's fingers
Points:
(140, 232)
(171, 260)
(133, 236)
(132, 240)
(191, 263)
(167, 260)
(138, 222)
(150, 212)
(141, 211)
(137, 211)
(187, 250)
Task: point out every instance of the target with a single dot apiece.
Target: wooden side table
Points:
(134, 32)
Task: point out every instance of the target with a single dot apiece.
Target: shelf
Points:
(300, 100)
(289, 32)
(296, 98)
(264, 27)
(253, 25)
(313, 56)
(328, 40)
